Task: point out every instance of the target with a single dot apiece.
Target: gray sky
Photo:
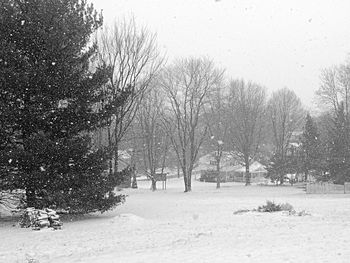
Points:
(276, 43)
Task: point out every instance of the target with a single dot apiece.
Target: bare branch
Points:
(188, 83)
(133, 57)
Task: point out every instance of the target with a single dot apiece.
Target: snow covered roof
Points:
(228, 163)
(231, 168)
(227, 157)
(255, 167)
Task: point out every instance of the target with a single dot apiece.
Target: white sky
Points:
(276, 43)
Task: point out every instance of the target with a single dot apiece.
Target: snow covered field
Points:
(171, 226)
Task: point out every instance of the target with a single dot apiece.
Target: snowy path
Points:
(171, 226)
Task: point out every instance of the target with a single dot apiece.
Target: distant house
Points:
(257, 171)
(231, 168)
(294, 143)
(208, 161)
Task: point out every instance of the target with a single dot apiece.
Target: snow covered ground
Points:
(172, 226)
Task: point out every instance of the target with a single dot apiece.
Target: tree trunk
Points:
(187, 181)
(218, 177)
(186, 186)
(247, 174)
(115, 154)
(110, 144)
(154, 185)
(306, 176)
(134, 180)
(30, 186)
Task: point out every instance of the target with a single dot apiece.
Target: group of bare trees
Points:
(153, 137)
(188, 108)
(183, 107)
(133, 58)
(187, 84)
(246, 121)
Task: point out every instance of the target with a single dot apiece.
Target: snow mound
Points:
(127, 219)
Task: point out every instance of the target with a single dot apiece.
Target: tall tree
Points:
(154, 138)
(335, 88)
(50, 95)
(217, 126)
(132, 54)
(285, 115)
(187, 84)
(339, 145)
(310, 147)
(334, 92)
(246, 110)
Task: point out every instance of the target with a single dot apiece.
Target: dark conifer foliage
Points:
(339, 147)
(311, 148)
(48, 98)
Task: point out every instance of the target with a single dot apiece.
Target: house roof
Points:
(227, 164)
(204, 162)
(231, 168)
(255, 167)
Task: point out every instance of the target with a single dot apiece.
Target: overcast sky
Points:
(272, 42)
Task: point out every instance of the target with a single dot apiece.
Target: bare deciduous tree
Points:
(134, 60)
(335, 87)
(246, 109)
(155, 139)
(187, 83)
(285, 114)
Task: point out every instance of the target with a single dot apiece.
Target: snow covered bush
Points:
(273, 207)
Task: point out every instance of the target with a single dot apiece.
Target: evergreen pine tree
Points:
(278, 167)
(339, 144)
(310, 147)
(48, 98)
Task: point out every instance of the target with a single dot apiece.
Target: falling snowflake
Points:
(62, 104)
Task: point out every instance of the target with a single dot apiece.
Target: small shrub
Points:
(269, 207)
(273, 207)
(241, 211)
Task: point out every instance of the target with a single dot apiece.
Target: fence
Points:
(327, 188)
